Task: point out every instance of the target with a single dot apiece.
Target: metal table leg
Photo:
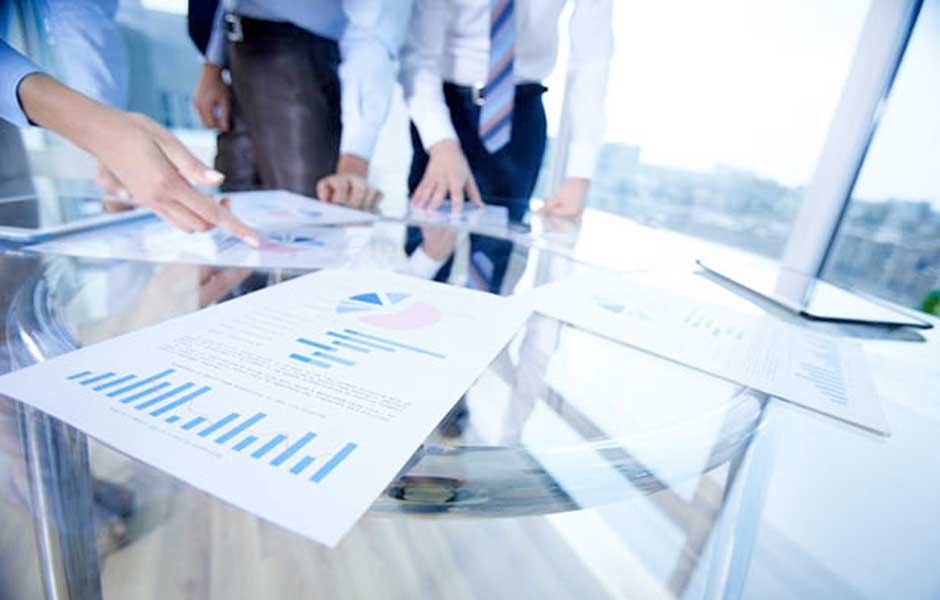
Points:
(61, 495)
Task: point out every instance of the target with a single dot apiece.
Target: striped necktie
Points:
(496, 114)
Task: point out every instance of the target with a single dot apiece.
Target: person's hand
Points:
(143, 157)
(447, 173)
(568, 199)
(153, 166)
(115, 194)
(438, 242)
(212, 100)
(349, 186)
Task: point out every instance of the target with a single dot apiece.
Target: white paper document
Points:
(294, 232)
(298, 403)
(822, 373)
(487, 217)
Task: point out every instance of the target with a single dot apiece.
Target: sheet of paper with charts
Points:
(470, 216)
(819, 372)
(295, 231)
(298, 403)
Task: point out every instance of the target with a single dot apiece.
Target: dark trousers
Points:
(285, 125)
(505, 178)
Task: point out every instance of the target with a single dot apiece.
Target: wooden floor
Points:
(187, 545)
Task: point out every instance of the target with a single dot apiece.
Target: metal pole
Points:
(61, 495)
(881, 46)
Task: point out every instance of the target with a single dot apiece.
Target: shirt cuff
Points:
(357, 140)
(432, 128)
(582, 160)
(13, 76)
(215, 49)
(421, 265)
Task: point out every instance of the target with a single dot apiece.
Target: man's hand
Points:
(212, 99)
(143, 158)
(349, 186)
(568, 199)
(447, 173)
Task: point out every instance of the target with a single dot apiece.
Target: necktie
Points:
(496, 114)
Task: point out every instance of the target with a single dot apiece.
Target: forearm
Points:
(351, 164)
(58, 108)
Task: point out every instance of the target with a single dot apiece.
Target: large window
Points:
(889, 240)
(717, 112)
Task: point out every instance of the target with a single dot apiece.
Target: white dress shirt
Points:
(449, 40)
(369, 32)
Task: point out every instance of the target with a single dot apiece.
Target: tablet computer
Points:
(35, 217)
(809, 296)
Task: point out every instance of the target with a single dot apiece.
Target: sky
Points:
(754, 85)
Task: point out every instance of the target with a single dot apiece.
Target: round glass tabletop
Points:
(574, 465)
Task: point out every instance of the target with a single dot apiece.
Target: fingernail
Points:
(252, 240)
(214, 176)
(123, 194)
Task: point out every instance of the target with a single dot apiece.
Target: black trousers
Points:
(285, 123)
(505, 178)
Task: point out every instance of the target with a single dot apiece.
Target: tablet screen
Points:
(27, 216)
(808, 295)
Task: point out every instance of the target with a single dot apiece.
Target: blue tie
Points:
(496, 114)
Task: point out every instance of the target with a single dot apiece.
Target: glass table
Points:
(574, 467)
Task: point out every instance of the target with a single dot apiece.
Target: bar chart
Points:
(163, 395)
(346, 347)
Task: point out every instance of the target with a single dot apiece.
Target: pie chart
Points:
(290, 244)
(390, 310)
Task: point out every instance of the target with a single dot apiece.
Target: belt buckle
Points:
(476, 93)
(233, 28)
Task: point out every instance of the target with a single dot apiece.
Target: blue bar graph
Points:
(146, 392)
(376, 338)
(117, 381)
(292, 449)
(308, 360)
(267, 447)
(163, 397)
(239, 428)
(249, 440)
(140, 383)
(159, 394)
(353, 347)
(181, 401)
(331, 464)
(359, 342)
(218, 424)
(335, 359)
(302, 464)
(97, 378)
(316, 345)
(193, 423)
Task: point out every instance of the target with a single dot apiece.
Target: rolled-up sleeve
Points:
(215, 48)
(592, 44)
(421, 72)
(14, 67)
(369, 48)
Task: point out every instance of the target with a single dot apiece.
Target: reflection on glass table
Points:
(575, 466)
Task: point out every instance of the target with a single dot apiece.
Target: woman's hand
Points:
(142, 157)
(568, 200)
